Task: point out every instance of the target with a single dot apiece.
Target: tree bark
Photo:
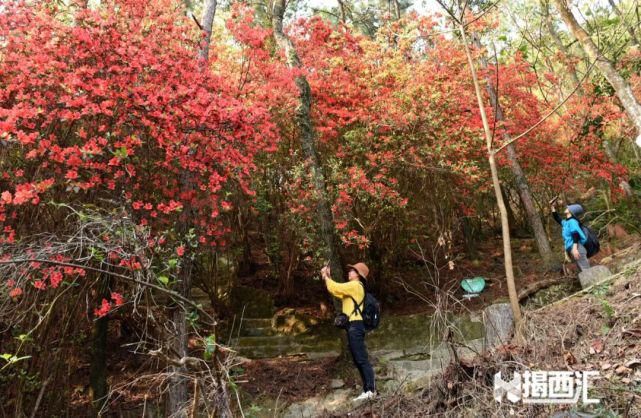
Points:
(620, 85)
(98, 368)
(308, 143)
(207, 24)
(177, 401)
(505, 226)
(534, 219)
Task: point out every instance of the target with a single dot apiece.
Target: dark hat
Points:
(576, 210)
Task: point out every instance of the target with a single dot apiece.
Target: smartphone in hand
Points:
(325, 269)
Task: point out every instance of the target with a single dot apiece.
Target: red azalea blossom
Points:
(6, 197)
(71, 175)
(104, 309)
(55, 278)
(117, 298)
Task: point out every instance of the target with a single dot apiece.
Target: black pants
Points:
(356, 341)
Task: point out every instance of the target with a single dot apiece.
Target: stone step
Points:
(256, 323)
(257, 332)
(265, 341)
(308, 339)
(407, 338)
(251, 327)
(312, 351)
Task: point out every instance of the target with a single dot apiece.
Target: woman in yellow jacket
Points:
(348, 292)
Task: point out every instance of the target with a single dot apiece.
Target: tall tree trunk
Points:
(308, 143)
(620, 85)
(177, 401)
(505, 226)
(98, 368)
(534, 219)
(207, 24)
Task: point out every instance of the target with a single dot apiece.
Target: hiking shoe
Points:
(369, 395)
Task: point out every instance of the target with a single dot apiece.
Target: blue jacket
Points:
(570, 227)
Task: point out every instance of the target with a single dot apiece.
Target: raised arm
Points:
(341, 290)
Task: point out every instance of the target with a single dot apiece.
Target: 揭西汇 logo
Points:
(545, 387)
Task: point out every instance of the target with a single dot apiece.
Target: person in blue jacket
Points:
(574, 238)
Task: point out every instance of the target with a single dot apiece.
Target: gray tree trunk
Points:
(207, 22)
(177, 401)
(308, 143)
(620, 85)
(98, 368)
(534, 219)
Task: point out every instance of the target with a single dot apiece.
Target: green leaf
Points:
(210, 346)
(163, 279)
(233, 385)
(192, 317)
(10, 358)
(121, 153)
(97, 254)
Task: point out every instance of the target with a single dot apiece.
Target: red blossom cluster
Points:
(107, 306)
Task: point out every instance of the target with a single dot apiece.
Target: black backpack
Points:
(591, 245)
(371, 311)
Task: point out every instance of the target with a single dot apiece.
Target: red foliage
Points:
(118, 104)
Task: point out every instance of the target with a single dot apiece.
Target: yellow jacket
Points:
(343, 291)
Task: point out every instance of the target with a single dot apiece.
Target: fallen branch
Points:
(535, 287)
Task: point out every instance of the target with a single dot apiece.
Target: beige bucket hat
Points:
(361, 268)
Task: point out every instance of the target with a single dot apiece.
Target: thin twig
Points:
(544, 118)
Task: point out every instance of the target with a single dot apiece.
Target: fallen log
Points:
(535, 287)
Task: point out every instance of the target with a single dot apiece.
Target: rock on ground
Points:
(593, 275)
(335, 402)
(337, 383)
(499, 324)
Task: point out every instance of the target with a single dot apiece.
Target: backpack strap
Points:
(356, 304)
